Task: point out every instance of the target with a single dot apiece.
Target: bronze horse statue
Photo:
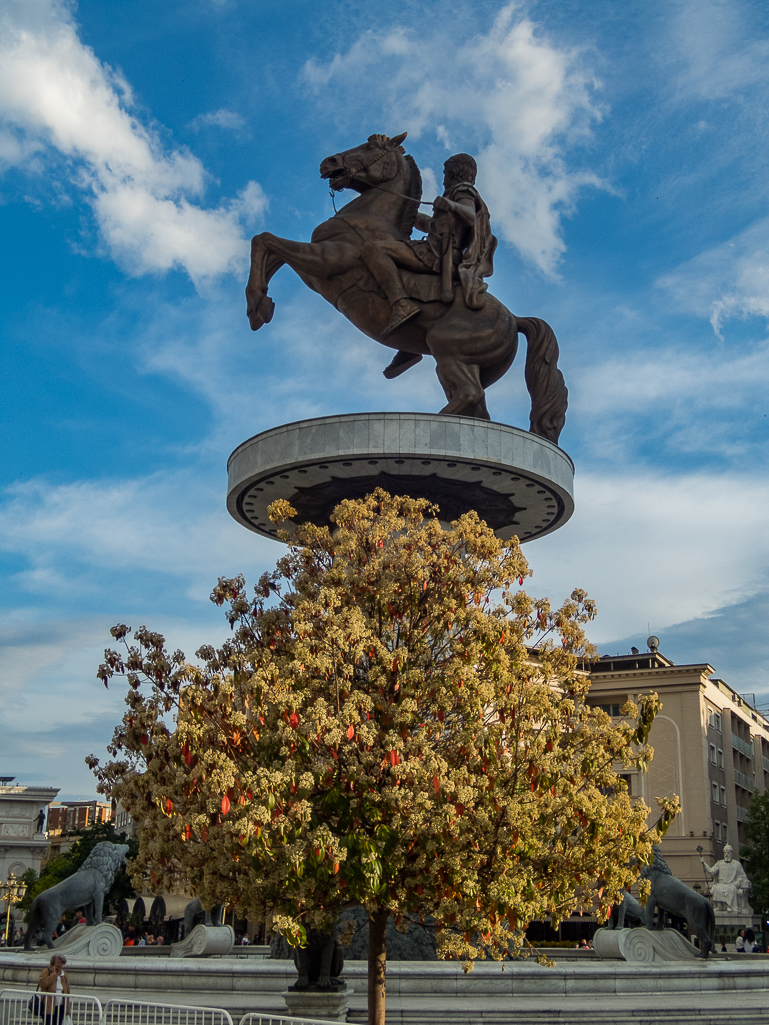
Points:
(472, 348)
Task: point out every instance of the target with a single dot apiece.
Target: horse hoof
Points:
(261, 313)
(266, 309)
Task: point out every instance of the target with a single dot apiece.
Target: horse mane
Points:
(414, 192)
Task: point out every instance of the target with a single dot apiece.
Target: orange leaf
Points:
(169, 805)
(336, 867)
(436, 784)
(350, 731)
(225, 804)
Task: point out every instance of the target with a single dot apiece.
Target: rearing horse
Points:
(472, 348)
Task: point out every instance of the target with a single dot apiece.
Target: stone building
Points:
(711, 747)
(23, 841)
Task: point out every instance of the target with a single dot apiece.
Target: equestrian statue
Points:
(418, 296)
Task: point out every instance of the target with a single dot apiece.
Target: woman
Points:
(54, 981)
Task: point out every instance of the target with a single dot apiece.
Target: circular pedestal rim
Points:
(455, 452)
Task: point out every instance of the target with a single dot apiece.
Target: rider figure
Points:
(459, 244)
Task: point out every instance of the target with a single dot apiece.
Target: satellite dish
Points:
(652, 643)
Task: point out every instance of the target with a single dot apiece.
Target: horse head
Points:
(360, 168)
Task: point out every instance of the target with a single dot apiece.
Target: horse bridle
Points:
(374, 160)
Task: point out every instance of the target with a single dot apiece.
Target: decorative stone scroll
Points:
(88, 941)
(643, 946)
(205, 941)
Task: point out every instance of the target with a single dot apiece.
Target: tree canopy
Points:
(756, 853)
(64, 865)
(393, 723)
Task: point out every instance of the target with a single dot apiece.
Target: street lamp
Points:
(11, 891)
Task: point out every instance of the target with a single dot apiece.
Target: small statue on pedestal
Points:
(320, 963)
(729, 892)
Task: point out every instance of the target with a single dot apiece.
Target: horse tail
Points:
(549, 396)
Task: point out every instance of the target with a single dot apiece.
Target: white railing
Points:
(743, 781)
(273, 1019)
(742, 745)
(17, 1008)
(136, 1012)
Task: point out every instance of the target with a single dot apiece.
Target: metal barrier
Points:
(134, 1012)
(271, 1019)
(16, 1008)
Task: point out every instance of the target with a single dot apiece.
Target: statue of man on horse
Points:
(420, 297)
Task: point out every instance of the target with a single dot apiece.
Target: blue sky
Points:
(622, 149)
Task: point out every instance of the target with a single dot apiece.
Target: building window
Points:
(713, 754)
(720, 758)
(612, 710)
(629, 783)
(724, 836)
(710, 717)
(718, 830)
(717, 718)
(723, 796)
(715, 792)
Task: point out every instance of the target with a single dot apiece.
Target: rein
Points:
(391, 192)
(375, 160)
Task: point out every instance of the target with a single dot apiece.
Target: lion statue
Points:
(670, 894)
(87, 888)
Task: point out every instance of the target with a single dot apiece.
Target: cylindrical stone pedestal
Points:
(519, 483)
(325, 1005)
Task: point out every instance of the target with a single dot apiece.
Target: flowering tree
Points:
(394, 723)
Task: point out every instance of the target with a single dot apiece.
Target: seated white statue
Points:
(731, 885)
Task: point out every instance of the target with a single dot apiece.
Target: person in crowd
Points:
(61, 928)
(750, 941)
(54, 983)
(160, 940)
(739, 943)
(80, 918)
(245, 942)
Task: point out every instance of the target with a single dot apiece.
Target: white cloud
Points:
(168, 523)
(217, 119)
(510, 95)
(56, 95)
(657, 549)
(730, 280)
(721, 56)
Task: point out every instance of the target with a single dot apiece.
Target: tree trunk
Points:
(377, 967)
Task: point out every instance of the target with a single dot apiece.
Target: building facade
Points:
(23, 841)
(75, 815)
(711, 748)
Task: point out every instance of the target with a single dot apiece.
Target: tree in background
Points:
(756, 854)
(66, 864)
(378, 731)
